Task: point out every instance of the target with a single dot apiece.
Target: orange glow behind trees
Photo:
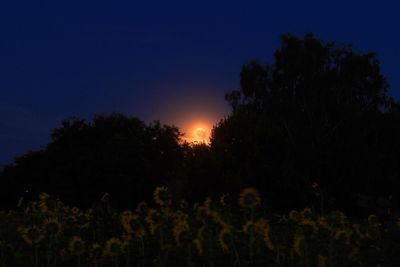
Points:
(197, 132)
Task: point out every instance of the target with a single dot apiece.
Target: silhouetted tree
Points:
(319, 113)
(116, 154)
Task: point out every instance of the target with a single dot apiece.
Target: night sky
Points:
(165, 60)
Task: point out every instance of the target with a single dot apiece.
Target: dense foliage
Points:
(227, 231)
(319, 113)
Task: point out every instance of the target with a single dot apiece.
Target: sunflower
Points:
(76, 245)
(126, 219)
(84, 219)
(306, 212)
(139, 232)
(248, 226)
(207, 204)
(105, 198)
(152, 220)
(295, 216)
(161, 196)
(43, 203)
(323, 222)
(125, 244)
(199, 240)
(340, 218)
(224, 200)
(311, 224)
(44, 196)
(217, 218)
(199, 246)
(132, 225)
(183, 204)
(343, 233)
(262, 227)
(112, 247)
(297, 240)
(201, 213)
(32, 235)
(96, 250)
(357, 230)
(141, 207)
(249, 198)
(316, 189)
(181, 225)
(223, 234)
(75, 211)
(339, 233)
(52, 226)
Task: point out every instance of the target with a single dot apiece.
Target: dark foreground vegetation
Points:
(227, 231)
(315, 128)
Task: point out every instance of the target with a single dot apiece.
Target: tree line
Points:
(315, 127)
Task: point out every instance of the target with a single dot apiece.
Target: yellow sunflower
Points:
(248, 226)
(343, 233)
(249, 198)
(181, 226)
(152, 220)
(341, 218)
(201, 213)
(199, 240)
(218, 219)
(207, 204)
(306, 212)
(161, 196)
(43, 203)
(76, 245)
(112, 247)
(132, 225)
(198, 244)
(311, 224)
(224, 200)
(297, 243)
(223, 235)
(323, 222)
(141, 207)
(105, 198)
(262, 227)
(126, 219)
(52, 226)
(357, 230)
(75, 211)
(32, 235)
(295, 216)
(95, 251)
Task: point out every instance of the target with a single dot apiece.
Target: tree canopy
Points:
(114, 153)
(320, 113)
(316, 123)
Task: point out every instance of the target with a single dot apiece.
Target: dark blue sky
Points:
(157, 59)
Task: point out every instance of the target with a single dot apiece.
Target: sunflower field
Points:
(229, 231)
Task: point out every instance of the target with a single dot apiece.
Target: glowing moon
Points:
(198, 131)
(201, 133)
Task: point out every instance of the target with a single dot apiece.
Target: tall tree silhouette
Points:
(319, 113)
